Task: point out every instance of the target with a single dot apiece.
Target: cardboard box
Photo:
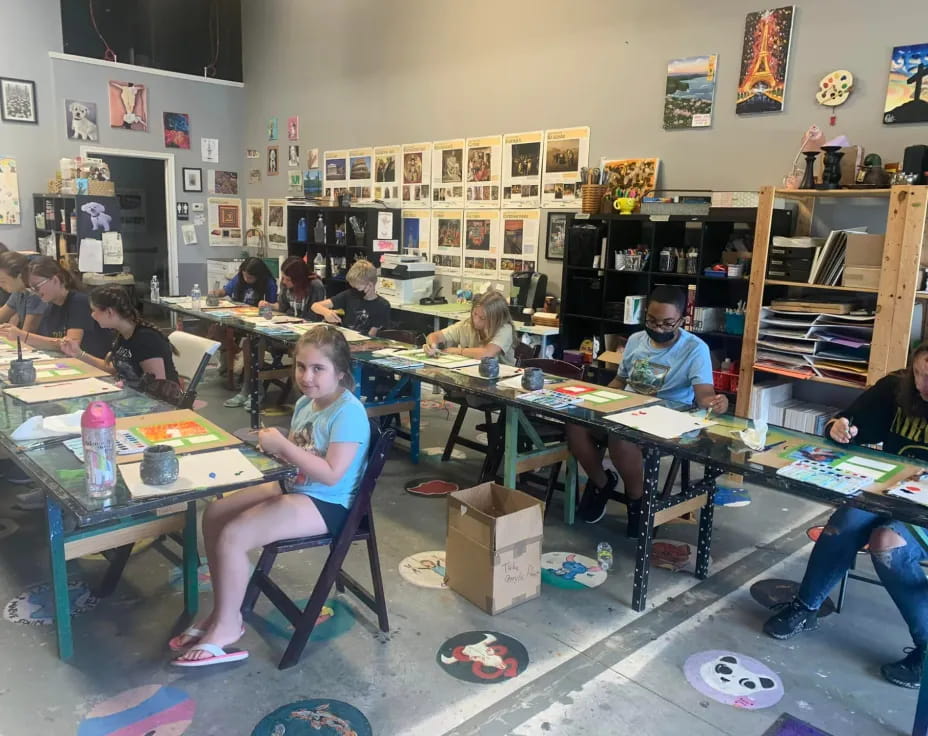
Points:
(864, 249)
(493, 552)
(863, 277)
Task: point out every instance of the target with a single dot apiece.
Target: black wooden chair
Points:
(358, 527)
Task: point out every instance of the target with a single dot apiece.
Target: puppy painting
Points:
(81, 120)
(98, 217)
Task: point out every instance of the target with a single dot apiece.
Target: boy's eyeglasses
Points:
(667, 324)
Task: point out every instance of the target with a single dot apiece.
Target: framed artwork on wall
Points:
(557, 237)
(17, 101)
(193, 180)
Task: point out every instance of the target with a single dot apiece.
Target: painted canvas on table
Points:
(81, 120)
(764, 61)
(128, 106)
(907, 92)
(176, 130)
(690, 92)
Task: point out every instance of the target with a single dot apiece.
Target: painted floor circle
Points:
(334, 620)
(152, 710)
(430, 487)
(317, 717)
(483, 657)
(571, 571)
(733, 679)
(35, 607)
(425, 569)
(773, 592)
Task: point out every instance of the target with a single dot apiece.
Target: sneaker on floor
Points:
(235, 401)
(31, 500)
(790, 620)
(907, 672)
(594, 500)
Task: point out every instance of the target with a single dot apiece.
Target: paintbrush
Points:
(19, 348)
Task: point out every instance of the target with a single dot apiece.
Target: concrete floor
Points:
(596, 667)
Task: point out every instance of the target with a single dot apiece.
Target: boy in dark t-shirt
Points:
(359, 307)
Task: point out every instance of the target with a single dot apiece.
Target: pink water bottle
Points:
(98, 434)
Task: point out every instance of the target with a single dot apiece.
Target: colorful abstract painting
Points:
(764, 61)
(176, 130)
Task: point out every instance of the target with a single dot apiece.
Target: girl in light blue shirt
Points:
(328, 442)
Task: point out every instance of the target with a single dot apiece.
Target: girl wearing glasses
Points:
(663, 361)
(67, 313)
(24, 308)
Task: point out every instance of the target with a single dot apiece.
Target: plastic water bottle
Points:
(604, 555)
(302, 230)
(319, 230)
(155, 290)
(319, 265)
(195, 297)
(98, 435)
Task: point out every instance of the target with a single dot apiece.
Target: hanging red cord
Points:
(109, 54)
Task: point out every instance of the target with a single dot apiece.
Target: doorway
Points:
(145, 189)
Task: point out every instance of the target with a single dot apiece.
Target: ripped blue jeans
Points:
(846, 532)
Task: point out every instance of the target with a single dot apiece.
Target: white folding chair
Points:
(194, 354)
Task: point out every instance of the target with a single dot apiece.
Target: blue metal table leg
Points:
(511, 456)
(59, 568)
(191, 561)
(356, 372)
(415, 391)
(570, 490)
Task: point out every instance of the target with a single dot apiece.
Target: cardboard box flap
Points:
(494, 516)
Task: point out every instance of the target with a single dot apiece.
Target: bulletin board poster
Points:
(481, 243)
(387, 175)
(335, 173)
(360, 174)
(255, 220)
(417, 232)
(417, 174)
(522, 169)
(9, 192)
(484, 163)
(448, 241)
(225, 221)
(448, 174)
(520, 232)
(567, 150)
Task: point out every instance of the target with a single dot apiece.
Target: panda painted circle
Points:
(733, 679)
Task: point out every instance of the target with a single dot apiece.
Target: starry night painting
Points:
(907, 92)
(764, 60)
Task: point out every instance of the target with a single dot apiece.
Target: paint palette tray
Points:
(825, 476)
(126, 444)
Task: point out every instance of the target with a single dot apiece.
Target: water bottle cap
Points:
(98, 415)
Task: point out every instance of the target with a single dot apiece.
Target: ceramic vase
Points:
(489, 367)
(159, 465)
(22, 372)
(533, 379)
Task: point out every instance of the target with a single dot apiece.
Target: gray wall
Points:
(32, 29)
(360, 73)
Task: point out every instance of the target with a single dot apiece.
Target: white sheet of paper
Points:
(660, 421)
(209, 150)
(189, 233)
(384, 225)
(202, 470)
(61, 390)
(112, 249)
(512, 382)
(352, 335)
(199, 220)
(90, 258)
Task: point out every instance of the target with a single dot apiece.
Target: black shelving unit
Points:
(50, 207)
(593, 298)
(351, 248)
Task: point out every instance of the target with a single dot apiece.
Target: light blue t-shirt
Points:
(344, 420)
(670, 373)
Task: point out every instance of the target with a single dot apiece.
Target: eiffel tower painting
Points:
(764, 57)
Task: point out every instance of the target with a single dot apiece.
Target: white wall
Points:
(375, 73)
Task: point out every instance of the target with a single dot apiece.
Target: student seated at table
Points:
(24, 308)
(253, 283)
(67, 314)
(487, 333)
(140, 349)
(300, 288)
(361, 308)
(665, 361)
(328, 441)
(893, 411)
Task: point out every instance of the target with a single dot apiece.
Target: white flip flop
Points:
(219, 656)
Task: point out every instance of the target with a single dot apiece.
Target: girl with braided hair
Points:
(139, 348)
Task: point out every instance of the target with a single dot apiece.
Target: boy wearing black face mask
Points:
(358, 308)
(663, 360)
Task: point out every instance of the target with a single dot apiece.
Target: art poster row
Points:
(513, 171)
(487, 244)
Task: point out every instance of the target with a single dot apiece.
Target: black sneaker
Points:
(907, 672)
(792, 618)
(593, 503)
